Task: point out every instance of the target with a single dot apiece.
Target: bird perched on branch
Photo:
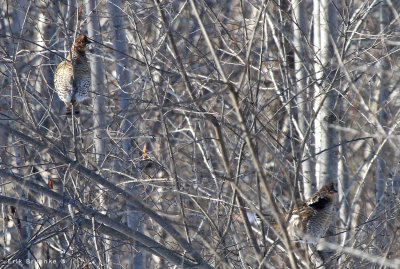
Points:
(313, 216)
(72, 77)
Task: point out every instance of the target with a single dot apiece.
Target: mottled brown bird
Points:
(72, 77)
(313, 216)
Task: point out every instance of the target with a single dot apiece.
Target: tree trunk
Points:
(300, 33)
(99, 110)
(325, 97)
(383, 160)
(124, 90)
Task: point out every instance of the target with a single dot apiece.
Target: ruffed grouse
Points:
(313, 216)
(72, 77)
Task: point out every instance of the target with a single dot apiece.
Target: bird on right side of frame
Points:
(313, 216)
(72, 77)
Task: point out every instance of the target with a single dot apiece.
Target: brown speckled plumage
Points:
(72, 78)
(313, 216)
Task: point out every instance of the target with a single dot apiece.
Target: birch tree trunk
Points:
(43, 86)
(325, 136)
(318, 79)
(325, 97)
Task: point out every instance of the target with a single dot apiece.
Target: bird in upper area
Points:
(72, 77)
(313, 216)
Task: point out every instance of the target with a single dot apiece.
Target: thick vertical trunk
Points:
(325, 135)
(383, 160)
(326, 168)
(383, 96)
(69, 24)
(45, 77)
(97, 77)
(121, 63)
(318, 77)
(299, 40)
(44, 84)
(99, 109)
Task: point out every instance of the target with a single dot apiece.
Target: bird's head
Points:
(323, 196)
(329, 188)
(328, 191)
(81, 43)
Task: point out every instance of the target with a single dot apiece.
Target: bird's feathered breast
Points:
(63, 75)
